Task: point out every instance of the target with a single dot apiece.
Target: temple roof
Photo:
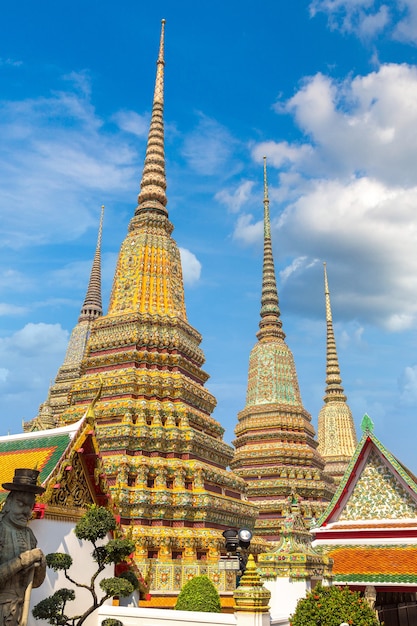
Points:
(376, 486)
(369, 529)
(375, 564)
(41, 450)
(56, 453)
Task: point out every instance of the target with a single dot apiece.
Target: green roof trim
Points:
(377, 578)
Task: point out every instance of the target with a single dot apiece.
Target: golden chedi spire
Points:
(153, 186)
(164, 454)
(70, 369)
(336, 429)
(276, 452)
(149, 275)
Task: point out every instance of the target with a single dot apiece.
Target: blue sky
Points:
(327, 89)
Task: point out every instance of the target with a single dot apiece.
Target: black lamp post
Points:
(236, 542)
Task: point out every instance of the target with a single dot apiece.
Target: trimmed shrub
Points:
(330, 606)
(199, 594)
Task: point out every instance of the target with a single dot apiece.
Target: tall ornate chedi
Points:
(58, 393)
(336, 429)
(163, 452)
(276, 452)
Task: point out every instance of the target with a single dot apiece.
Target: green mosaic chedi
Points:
(276, 451)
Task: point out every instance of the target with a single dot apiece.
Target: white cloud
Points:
(247, 231)
(282, 153)
(14, 280)
(10, 62)
(406, 28)
(57, 161)
(29, 359)
(132, 122)
(369, 18)
(301, 263)
(30, 353)
(350, 195)
(408, 386)
(11, 309)
(351, 334)
(191, 267)
(209, 147)
(361, 125)
(367, 229)
(236, 199)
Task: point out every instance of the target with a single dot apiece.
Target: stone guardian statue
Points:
(22, 564)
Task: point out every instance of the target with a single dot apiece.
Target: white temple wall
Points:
(285, 595)
(164, 617)
(59, 536)
(130, 616)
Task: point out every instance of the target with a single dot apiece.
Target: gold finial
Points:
(161, 43)
(152, 196)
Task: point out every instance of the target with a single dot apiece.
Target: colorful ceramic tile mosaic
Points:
(379, 494)
(163, 453)
(276, 452)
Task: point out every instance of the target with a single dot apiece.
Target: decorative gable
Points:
(73, 490)
(379, 494)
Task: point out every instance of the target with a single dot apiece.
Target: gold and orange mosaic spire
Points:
(164, 454)
(336, 429)
(152, 196)
(70, 370)
(276, 452)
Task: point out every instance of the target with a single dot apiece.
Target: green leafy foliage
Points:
(131, 577)
(116, 587)
(330, 606)
(119, 549)
(51, 609)
(199, 594)
(58, 561)
(94, 525)
(111, 621)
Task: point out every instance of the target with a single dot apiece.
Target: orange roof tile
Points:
(392, 560)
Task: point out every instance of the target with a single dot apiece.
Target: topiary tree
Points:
(330, 606)
(94, 525)
(199, 594)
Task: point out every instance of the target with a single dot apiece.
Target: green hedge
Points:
(199, 594)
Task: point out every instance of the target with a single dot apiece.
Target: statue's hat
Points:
(24, 480)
